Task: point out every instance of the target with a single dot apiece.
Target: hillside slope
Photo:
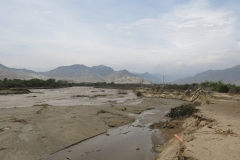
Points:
(229, 75)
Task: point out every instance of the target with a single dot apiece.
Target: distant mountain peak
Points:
(146, 73)
(237, 66)
(149, 77)
(1, 65)
(124, 70)
(102, 70)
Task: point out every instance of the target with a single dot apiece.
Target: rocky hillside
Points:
(102, 70)
(125, 77)
(12, 73)
(229, 75)
(75, 73)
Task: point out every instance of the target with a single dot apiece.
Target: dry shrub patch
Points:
(183, 111)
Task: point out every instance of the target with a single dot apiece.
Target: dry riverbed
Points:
(34, 125)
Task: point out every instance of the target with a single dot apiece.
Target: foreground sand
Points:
(35, 125)
(211, 134)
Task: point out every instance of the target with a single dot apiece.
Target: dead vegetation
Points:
(201, 121)
(23, 121)
(225, 132)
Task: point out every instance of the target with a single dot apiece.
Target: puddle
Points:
(130, 142)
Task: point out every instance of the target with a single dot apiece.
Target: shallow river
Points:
(129, 142)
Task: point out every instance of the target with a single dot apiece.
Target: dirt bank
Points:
(213, 133)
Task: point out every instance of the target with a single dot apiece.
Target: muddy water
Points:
(130, 142)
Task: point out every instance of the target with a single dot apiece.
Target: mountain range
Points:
(229, 75)
(101, 73)
(75, 73)
(158, 78)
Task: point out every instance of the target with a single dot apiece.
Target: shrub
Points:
(234, 90)
(222, 89)
(102, 111)
(183, 111)
(124, 109)
(139, 94)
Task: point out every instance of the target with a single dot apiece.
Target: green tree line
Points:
(221, 87)
(32, 83)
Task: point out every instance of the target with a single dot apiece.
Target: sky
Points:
(157, 36)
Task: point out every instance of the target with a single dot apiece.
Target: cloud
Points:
(49, 12)
(193, 35)
(188, 37)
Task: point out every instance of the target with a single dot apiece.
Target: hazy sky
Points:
(159, 36)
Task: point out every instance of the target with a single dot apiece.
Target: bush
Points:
(139, 94)
(102, 111)
(234, 90)
(222, 89)
(183, 111)
(124, 109)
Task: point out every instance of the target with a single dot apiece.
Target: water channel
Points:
(129, 142)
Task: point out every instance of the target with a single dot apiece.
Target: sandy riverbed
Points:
(35, 125)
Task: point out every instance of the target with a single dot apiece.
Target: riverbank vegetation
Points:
(32, 83)
(52, 83)
(182, 112)
(112, 85)
(221, 87)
